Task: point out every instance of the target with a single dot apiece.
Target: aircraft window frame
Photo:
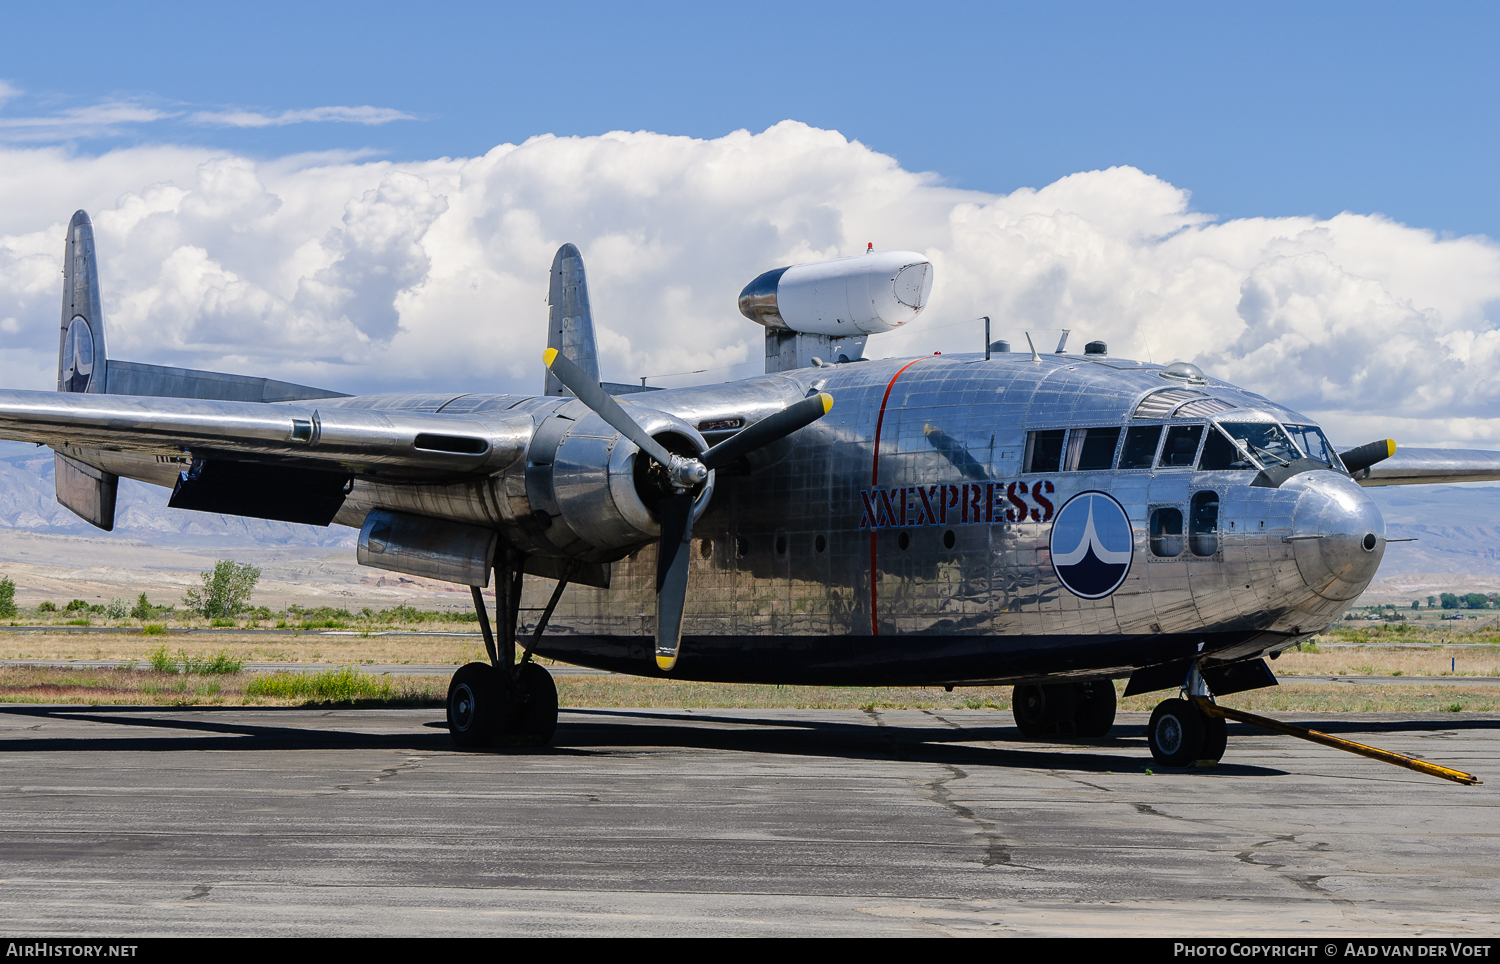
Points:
(1243, 453)
(1155, 448)
(1028, 464)
(1159, 536)
(1179, 430)
(1203, 527)
(1078, 441)
(1265, 455)
(1298, 433)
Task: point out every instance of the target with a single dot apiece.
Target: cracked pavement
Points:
(274, 821)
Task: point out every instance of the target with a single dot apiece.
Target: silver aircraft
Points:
(1051, 520)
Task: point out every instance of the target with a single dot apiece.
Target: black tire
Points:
(1215, 737)
(536, 718)
(476, 705)
(1095, 709)
(1176, 733)
(1040, 709)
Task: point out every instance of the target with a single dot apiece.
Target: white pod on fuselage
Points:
(850, 296)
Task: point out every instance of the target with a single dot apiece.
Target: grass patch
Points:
(217, 664)
(346, 685)
(154, 629)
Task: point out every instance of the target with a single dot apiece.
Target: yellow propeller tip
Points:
(1390, 447)
(665, 663)
(549, 356)
(827, 402)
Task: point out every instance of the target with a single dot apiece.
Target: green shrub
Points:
(161, 661)
(75, 605)
(78, 622)
(344, 685)
(226, 590)
(143, 609)
(7, 598)
(117, 608)
(47, 606)
(154, 629)
(218, 664)
(222, 622)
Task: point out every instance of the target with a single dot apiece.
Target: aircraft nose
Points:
(1338, 534)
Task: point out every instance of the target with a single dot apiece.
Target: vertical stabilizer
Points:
(81, 358)
(570, 324)
(85, 489)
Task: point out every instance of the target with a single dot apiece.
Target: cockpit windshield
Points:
(1314, 443)
(1265, 440)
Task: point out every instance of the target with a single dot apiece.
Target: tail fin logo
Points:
(1092, 545)
(78, 356)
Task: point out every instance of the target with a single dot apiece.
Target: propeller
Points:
(1362, 457)
(685, 474)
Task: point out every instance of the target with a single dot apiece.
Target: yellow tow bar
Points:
(1210, 708)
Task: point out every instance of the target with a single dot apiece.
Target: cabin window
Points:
(1222, 455)
(1140, 447)
(1203, 523)
(1044, 451)
(1181, 448)
(1092, 449)
(1166, 532)
(1265, 440)
(1313, 443)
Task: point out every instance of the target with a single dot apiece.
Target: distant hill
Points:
(28, 502)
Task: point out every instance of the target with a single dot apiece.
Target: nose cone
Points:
(1338, 534)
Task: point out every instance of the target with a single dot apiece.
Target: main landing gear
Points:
(505, 702)
(1064, 709)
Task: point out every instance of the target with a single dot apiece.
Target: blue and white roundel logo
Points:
(1092, 545)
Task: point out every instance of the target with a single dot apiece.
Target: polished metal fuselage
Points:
(795, 578)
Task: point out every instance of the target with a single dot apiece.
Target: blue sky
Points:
(1259, 109)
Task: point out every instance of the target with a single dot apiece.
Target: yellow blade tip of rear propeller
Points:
(549, 356)
(665, 663)
(827, 402)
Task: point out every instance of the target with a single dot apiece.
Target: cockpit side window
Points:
(1314, 444)
(1044, 451)
(1181, 448)
(1265, 440)
(1222, 455)
(1092, 449)
(1140, 446)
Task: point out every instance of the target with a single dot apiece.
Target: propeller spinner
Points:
(685, 474)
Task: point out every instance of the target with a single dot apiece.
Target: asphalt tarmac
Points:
(264, 821)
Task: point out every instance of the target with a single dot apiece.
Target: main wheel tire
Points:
(1039, 709)
(1215, 737)
(1095, 712)
(1176, 733)
(536, 717)
(476, 705)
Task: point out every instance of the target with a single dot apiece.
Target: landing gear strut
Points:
(1064, 709)
(505, 702)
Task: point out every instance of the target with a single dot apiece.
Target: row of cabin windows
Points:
(1175, 446)
(1203, 527)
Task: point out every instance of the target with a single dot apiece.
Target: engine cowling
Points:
(598, 493)
(850, 296)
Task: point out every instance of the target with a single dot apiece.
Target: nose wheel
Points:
(1181, 735)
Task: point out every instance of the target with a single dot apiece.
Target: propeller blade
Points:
(769, 429)
(577, 381)
(674, 553)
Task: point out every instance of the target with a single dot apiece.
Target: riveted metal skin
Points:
(825, 557)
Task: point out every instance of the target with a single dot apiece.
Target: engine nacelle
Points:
(850, 296)
(594, 492)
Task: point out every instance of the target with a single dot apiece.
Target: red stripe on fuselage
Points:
(874, 483)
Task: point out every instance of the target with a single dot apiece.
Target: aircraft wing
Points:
(1425, 466)
(393, 444)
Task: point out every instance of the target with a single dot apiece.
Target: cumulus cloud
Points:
(365, 275)
(347, 115)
